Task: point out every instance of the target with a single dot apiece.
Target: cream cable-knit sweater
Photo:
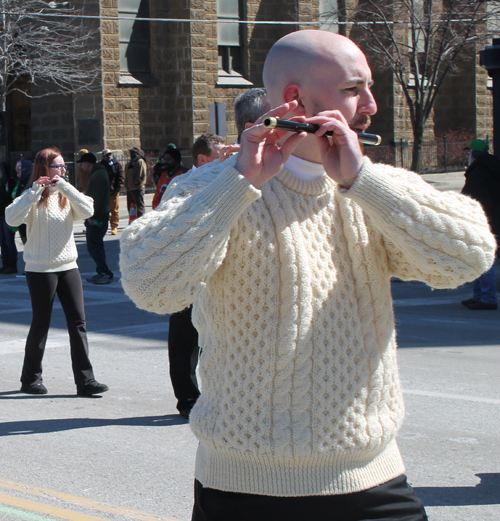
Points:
(292, 301)
(51, 244)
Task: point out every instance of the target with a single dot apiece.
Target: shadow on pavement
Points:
(484, 493)
(65, 424)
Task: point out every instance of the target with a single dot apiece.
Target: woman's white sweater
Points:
(51, 244)
(292, 301)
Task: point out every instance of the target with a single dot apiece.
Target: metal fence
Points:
(437, 155)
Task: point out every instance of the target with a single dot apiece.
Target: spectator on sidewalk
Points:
(97, 225)
(286, 251)
(49, 208)
(116, 180)
(161, 165)
(482, 183)
(173, 167)
(83, 177)
(135, 181)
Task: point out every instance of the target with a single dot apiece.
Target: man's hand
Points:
(227, 151)
(341, 154)
(261, 157)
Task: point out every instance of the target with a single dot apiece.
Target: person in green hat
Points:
(482, 183)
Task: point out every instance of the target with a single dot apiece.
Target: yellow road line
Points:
(75, 500)
(33, 506)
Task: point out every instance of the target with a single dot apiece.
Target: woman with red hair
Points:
(49, 209)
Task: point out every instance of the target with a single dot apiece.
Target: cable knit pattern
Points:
(51, 245)
(291, 292)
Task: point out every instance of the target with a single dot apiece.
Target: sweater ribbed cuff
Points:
(376, 190)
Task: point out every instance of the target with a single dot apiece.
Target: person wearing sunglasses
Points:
(49, 209)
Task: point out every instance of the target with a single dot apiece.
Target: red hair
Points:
(41, 165)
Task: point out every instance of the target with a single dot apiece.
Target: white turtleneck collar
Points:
(303, 169)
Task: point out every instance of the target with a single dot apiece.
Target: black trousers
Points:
(183, 353)
(391, 501)
(95, 245)
(43, 288)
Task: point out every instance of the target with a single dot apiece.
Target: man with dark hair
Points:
(482, 183)
(115, 173)
(97, 225)
(248, 107)
(206, 149)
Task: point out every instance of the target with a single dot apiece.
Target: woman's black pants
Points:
(43, 288)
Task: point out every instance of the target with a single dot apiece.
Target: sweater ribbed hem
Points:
(329, 474)
(50, 268)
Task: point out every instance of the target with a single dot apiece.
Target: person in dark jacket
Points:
(116, 180)
(97, 225)
(482, 183)
(161, 165)
(7, 234)
(136, 173)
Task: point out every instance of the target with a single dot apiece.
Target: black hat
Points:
(175, 153)
(88, 158)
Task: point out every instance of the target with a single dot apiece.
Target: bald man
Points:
(287, 250)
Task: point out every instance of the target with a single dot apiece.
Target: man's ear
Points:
(293, 92)
(202, 159)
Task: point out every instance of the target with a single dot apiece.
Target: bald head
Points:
(323, 72)
(304, 58)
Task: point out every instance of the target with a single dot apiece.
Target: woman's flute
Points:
(294, 126)
(52, 182)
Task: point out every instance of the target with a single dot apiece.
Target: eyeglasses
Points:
(59, 167)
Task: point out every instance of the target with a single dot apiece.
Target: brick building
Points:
(168, 81)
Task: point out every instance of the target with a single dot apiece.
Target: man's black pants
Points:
(43, 288)
(95, 245)
(391, 501)
(183, 357)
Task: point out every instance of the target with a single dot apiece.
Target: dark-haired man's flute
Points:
(294, 126)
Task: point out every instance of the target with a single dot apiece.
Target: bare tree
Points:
(48, 43)
(422, 42)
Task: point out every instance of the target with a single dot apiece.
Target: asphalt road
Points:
(128, 455)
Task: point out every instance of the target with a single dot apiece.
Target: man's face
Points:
(215, 152)
(170, 161)
(204, 159)
(344, 85)
(107, 157)
(86, 167)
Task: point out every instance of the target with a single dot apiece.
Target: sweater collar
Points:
(314, 187)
